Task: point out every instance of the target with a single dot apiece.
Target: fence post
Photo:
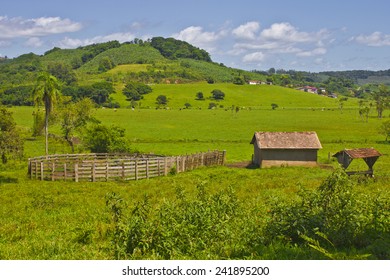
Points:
(165, 166)
(65, 172)
(29, 168)
(223, 157)
(41, 170)
(76, 172)
(93, 172)
(123, 170)
(147, 168)
(107, 171)
(136, 169)
(53, 166)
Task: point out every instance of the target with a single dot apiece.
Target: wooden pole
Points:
(136, 169)
(147, 168)
(93, 172)
(76, 172)
(53, 166)
(107, 170)
(41, 170)
(123, 170)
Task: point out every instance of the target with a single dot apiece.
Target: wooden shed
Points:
(285, 148)
(369, 155)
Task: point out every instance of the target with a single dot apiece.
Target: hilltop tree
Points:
(46, 91)
(11, 144)
(62, 72)
(174, 49)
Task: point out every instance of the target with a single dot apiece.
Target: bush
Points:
(205, 227)
(346, 219)
(218, 94)
(135, 90)
(162, 100)
(104, 139)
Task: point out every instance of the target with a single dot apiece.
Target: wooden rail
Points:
(106, 167)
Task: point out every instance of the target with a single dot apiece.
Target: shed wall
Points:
(278, 157)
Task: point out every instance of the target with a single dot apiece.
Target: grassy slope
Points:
(256, 97)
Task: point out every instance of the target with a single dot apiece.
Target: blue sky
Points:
(248, 34)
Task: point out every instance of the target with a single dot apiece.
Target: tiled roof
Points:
(287, 140)
(361, 153)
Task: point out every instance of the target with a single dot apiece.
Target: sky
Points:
(312, 35)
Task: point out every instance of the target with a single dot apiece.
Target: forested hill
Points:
(107, 67)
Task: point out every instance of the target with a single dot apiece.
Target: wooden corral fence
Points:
(105, 167)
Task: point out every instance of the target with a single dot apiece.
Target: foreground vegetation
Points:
(189, 105)
(209, 213)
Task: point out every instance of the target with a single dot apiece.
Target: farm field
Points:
(67, 220)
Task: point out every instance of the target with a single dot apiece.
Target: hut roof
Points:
(287, 140)
(360, 153)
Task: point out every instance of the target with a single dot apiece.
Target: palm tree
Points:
(46, 91)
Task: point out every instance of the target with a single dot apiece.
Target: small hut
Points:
(369, 155)
(285, 148)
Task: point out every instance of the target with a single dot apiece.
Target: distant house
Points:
(252, 82)
(309, 89)
(285, 148)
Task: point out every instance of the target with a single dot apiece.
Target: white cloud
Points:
(314, 52)
(376, 39)
(277, 40)
(74, 43)
(254, 57)
(199, 38)
(247, 31)
(285, 32)
(37, 27)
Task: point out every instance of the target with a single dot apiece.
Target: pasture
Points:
(68, 220)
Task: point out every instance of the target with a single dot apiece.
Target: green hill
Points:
(160, 62)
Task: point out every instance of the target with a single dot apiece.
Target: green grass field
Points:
(67, 220)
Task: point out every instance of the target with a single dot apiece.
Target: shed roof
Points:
(287, 140)
(360, 153)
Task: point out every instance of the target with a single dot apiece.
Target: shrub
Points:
(218, 94)
(207, 226)
(107, 139)
(346, 218)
